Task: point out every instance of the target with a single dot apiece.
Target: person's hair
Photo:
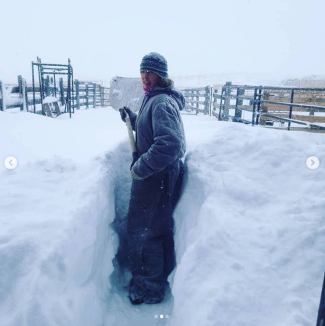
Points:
(165, 82)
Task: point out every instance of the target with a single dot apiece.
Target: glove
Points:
(135, 176)
(123, 112)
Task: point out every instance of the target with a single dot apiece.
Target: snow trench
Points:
(119, 310)
(194, 193)
(75, 271)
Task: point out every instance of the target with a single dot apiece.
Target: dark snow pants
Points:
(150, 230)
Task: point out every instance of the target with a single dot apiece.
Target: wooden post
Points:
(207, 100)
(211, 101)
(102, 95)
(69, 88)
(3, 96)
(215, 99)
(94, 95)
(221, 106)
(290, 110)
(192, 97)
(225, 116)
(312, 112)
(25, 96)
(87, 96)
(47, 86)
(33, 81)
(54, 86)
(197, 101)
(77, 94)
(62, 99)
(20, 86)
(259, 105)
(254, 106)
(238, 112)
(99, 94)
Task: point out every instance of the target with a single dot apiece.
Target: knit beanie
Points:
(156, 63)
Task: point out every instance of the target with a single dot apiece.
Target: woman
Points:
(157, 177)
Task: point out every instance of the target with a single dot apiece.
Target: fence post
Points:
(192, 97)
(99, 94)
(94, 99)
(197, 101)
(33, 83)
(54, 84)
(23, 93)
(238, 111)
(77, 94)
(225, 115)
(61, 91)
(25, 96)
(259, 105)
(20, 87)
(254, 106)
(290, 112)
(214, 106)
(102, 96)
(221, 106)
(47, 85)
(211, 101)
(3, 97)
(87, 96)
(207, 100)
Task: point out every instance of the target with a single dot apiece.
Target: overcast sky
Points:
(109, 38)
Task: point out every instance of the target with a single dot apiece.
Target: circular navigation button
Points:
(312, 162)
(10, 162)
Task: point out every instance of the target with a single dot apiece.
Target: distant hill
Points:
(247, 79)
(309, 81)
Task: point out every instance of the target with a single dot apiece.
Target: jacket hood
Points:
(172, 91)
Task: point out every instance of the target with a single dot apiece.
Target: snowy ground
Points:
(249, 230)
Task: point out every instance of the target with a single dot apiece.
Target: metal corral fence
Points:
(84, 94)
(293, 108)
(198, 99)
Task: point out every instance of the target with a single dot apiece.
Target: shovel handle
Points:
(130, 132)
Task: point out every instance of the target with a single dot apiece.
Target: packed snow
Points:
(249, 227)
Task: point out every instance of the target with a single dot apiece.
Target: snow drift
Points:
(249, 232)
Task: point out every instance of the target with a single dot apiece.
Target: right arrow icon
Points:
(312, 162)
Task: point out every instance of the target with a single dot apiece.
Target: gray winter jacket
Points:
(160, 137)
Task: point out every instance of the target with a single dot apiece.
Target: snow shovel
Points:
(131, 139)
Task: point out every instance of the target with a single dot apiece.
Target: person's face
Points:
(149, 79)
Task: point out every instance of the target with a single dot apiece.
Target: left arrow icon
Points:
(10, 162)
